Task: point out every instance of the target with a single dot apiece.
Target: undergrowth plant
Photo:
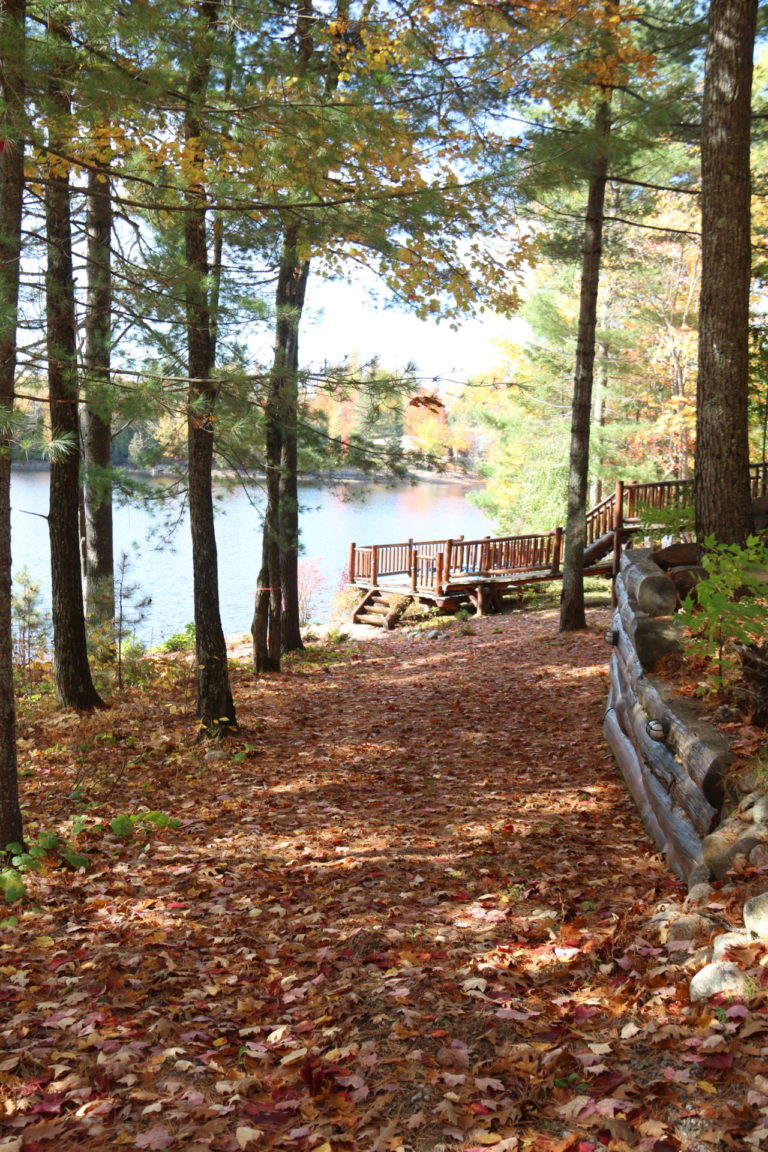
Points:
(312, 587)
(675, 520)
(128, 824)
(730, 606)
(113, 645)
(30, 858)
(30, 624)
(183, 641)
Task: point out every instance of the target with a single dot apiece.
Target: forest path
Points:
(408, 909)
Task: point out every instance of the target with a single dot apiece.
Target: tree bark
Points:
(572, 615)
(97, 424)
(276, 625)
(74, 685)
(215, 705)
(721, 481)
(292, 286)
(12, 88)
(266, 626)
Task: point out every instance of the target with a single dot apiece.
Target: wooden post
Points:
(439, 563)
(414, 566)
(484, 555)
(446, 558)
(352, 563)
(631, 493)
(374, 565)
(558, 550)
(618, 519)
(618, 525)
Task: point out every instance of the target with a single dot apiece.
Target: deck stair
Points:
(456, 572)
(380, 609)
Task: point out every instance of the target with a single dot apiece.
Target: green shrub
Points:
(729, 606)
(677, 520)
(183, 641)
(30, 624)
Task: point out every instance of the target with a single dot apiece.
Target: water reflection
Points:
(331, 518)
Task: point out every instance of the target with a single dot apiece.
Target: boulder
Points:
(690, 927)
(756, 915)
(727, 940)
(719, 849)
(698, 893)
(719, 977)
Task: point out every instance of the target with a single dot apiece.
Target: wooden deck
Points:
(452, 572)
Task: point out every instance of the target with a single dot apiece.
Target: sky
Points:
(342, 319)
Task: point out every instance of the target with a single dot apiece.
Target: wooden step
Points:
(377, 621)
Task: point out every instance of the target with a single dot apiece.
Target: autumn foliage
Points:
(409, 906)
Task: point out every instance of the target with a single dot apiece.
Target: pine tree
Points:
(12, 92)
(722, 443)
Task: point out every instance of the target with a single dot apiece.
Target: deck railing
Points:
(371, 562)
(602, 518)
(758, 479)
(659, 494)
(430, 565)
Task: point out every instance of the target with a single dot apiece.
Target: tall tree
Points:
(74, 684)
(275, 626)
(12, 90)
(721, 482)
(572, 614)
(294, 272)
(215, 705)
(97, 423)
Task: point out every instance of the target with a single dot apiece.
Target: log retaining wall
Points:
(672, 761)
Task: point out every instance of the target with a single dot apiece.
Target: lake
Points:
(331, 519)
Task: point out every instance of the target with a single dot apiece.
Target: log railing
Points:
(758, 479)
(602, 518)
(430, 565)
(656, 495)
(369, 563)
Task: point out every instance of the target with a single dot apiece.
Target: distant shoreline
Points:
(343, 476)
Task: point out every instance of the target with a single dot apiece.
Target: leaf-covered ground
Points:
(407, 909)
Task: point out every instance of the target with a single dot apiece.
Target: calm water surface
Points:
(331, 519)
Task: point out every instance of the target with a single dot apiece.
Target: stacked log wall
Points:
(675, 781)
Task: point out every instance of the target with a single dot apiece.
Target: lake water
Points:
(331, 519)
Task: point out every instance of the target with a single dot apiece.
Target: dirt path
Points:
(408, 909)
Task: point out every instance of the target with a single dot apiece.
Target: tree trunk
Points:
(74, 686)
(97, 429)
(721, 481)
(215, 706)
(266, 627)
(572, 615)
(12, 78)
(294, 274)
(276, 626)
